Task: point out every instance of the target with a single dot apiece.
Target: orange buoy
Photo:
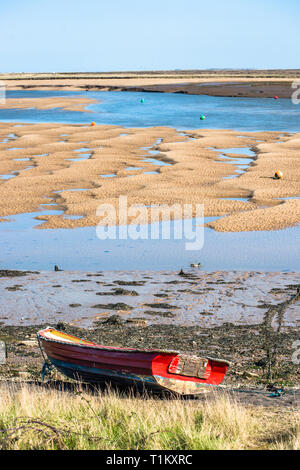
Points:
(278, 175)
(275, 97)
(93, 124)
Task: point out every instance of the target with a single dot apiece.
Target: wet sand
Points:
(42, 163)
(198, 298)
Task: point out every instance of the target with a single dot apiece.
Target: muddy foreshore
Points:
(238, 89)
(231, 89)
(260, 354)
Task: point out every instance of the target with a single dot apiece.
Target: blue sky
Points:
(114, 35)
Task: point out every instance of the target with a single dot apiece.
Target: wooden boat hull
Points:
(145, 369)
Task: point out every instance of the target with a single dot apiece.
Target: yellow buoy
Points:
(278, 175)
(93, 124)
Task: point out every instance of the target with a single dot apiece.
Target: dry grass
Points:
(40, 418)
(290, 439)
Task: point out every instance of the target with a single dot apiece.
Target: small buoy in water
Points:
(202, 117)
(142, 100)
(278, 175)
(275, 97)
(93, 124)
(195, 265)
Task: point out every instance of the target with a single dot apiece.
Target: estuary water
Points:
(23, 246)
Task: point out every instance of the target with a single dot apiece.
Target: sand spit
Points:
(239, 83)
(59, 158)
(69, 104)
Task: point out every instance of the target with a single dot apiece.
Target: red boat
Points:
(146, 369)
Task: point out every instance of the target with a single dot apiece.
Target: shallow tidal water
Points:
(164, 109)
(25, 247)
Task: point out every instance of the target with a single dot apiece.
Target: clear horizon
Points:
(69, 36)
(153, 70)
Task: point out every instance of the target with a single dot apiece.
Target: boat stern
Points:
(191, 375)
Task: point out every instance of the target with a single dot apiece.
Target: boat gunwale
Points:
(98, 347)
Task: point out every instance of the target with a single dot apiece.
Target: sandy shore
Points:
(69, 104)
(240, 83)
(42, 163)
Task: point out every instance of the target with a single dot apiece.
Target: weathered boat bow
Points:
(146, 369)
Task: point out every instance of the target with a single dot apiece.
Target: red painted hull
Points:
(150, 369)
